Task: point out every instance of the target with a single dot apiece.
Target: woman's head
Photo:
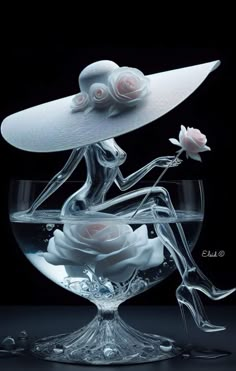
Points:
(112, 154)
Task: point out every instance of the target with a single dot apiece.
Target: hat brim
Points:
(52, 126)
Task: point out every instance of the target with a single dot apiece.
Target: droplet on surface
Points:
(166, 346)
(8, 343)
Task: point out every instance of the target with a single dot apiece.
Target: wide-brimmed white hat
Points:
(112, 101)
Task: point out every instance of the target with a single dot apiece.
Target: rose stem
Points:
(156, 182)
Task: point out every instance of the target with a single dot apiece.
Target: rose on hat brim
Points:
(52, 126)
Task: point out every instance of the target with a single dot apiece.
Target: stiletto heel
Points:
(191, 300)
(191, 274)
(195, 279)
(181, 307)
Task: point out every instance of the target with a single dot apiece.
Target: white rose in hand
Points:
(192, 141)
(113, 250)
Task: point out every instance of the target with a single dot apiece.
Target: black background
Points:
(34, 75)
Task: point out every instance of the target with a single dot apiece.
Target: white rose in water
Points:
(113, 250)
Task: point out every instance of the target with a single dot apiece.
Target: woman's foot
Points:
(195, 279)
(188, 297)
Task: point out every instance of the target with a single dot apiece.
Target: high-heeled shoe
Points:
(195, 279)
(190, 272)
(188, 297)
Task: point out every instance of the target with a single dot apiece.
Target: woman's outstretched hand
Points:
(165, 161)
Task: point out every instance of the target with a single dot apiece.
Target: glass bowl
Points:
(107, 255)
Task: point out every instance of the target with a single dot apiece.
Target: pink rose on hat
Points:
(80, 102)
(128, 85)
(99, 95)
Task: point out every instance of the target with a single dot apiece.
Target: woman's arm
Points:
(60, 178)
(125, 183)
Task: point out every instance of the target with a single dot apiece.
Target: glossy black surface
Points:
(40, 321)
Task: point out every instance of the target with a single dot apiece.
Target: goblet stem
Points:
(107, 339)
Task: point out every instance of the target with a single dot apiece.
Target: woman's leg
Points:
(192, 275)
(185, 294)
(159, 204)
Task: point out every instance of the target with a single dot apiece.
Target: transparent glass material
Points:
(108, 257)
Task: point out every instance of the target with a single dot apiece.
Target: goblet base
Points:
(107, 339)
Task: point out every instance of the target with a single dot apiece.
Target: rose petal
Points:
(197, 136)
(72, 236)
(189, 145)
(68, 249)
(156, 258)
(182, 132)
(141, 235)
(183, 129)
(53, 255)
(204, 149)
(51, 247)
(199, 141)
(53, 259)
